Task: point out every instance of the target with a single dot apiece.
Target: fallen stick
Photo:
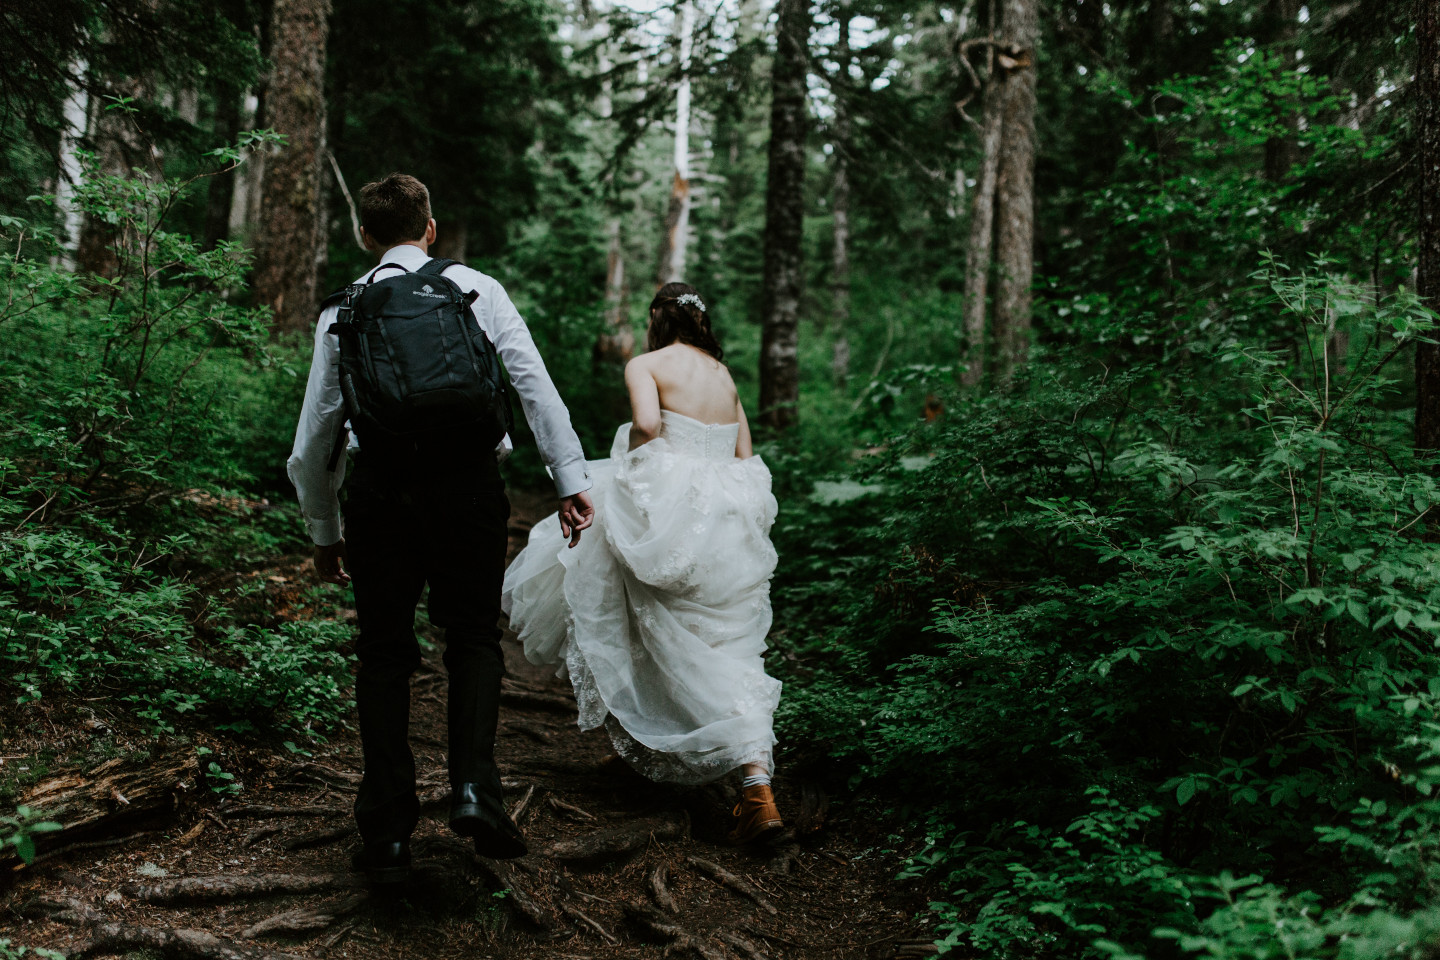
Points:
(539, 701)
(660, 887)
(123, 937)
(613, 842)
(726, 878)
(233, 888)
(266, 810)
(518, 811)
(579, 916)
(570, 808)
(535, 731)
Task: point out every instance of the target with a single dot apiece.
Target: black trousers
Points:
(412, 520)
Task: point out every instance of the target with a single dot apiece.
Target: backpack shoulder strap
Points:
(437, 266)
(337, 297)
(397, 266)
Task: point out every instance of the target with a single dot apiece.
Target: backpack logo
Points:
(429, 291)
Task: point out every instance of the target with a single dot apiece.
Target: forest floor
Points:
(155, 862)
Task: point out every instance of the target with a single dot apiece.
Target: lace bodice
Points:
(710, 441)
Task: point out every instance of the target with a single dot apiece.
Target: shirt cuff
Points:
(325, 532)
(571, 478)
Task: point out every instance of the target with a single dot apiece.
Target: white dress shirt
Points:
(324, 410)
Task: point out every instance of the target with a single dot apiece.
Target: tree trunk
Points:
(76, 115)
(120, 151)
(840, 207)
(1282, 153)
(221, 193)
(1015, 189)
(245, 204)
(291, 230)
(982, 226)
(677, 218)
(617, 343)
(784, 221)
(1427, 355)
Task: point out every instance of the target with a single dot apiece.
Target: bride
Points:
(659, 617)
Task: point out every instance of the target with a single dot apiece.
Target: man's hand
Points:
(576, 513)
(329, 563)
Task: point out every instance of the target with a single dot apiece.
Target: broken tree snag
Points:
(110, 938)
(303, 919)
(96, 802)
(727, 879)
(659, 881)
(265, 810)
(234, 888)
(613, 842)
(319, 838)
(574, 913)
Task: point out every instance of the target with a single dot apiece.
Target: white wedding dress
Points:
(659, 616)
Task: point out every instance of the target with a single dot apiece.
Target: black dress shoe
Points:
(474, 812)
(384, 862)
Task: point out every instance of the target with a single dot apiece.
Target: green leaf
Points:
(1185, 791)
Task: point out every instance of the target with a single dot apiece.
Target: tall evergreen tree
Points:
(784, 220)
(1427, 357)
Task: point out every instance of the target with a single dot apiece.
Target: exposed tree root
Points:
(613, 842)
(574, 913)
(741, 886)
(303, 919)
(914, 949)
(666, 930)
(537, 701)
(64, 909)
(123, 937)
(253, 837)
(502, 876)
(535, 731)
(266, 810)
(744, 947)
(659, 881)
(234, 888)
(319, 838)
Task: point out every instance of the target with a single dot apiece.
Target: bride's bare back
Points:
(683, 380)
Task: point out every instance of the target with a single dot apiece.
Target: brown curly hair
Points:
(674, 322)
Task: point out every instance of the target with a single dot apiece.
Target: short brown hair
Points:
(395, 209)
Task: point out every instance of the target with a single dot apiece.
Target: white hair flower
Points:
(690, 298)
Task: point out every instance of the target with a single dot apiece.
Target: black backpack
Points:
(414, 364)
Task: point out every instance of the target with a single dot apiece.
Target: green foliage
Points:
(11, 951)
(18, 831)
(1158, 627)
(131, 405)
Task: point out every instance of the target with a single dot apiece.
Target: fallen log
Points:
(97, 802)
(741, 886)
(193, 889)
(613, 842)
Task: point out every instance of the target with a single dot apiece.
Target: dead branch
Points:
(659, 881)
(570, 808)
(189, 889)
(727, 879)
(613, 842)
(522, 806)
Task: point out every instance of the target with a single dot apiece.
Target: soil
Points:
(619, 867)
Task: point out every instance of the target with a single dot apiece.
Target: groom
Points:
(425, 511)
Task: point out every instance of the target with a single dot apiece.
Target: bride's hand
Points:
(577, 512)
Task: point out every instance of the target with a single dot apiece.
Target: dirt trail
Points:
(619, 867)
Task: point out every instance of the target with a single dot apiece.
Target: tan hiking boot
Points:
(758, 819)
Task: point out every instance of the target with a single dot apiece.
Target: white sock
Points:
(755, 780)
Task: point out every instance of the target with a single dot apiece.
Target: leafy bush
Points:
(1159, 629)
(132, 406)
